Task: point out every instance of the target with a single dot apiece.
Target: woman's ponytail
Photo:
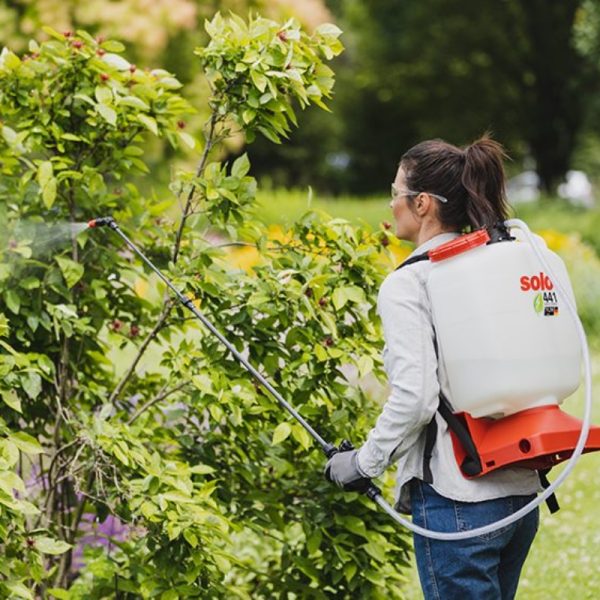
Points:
(471, 179)
(483, 179)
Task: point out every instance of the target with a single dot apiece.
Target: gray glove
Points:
(343, 470)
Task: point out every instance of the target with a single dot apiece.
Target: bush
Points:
(178, 476)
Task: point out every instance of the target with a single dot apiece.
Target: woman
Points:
(440, 190)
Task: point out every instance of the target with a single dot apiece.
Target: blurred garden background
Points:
(527, 71)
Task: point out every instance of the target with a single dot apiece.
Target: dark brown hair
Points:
(471, 178)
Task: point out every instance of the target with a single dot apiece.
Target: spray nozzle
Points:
(102, 221)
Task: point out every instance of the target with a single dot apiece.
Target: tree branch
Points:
(207, 148)
(156, 400)
(142, 349)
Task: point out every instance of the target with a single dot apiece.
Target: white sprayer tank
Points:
(504, 334)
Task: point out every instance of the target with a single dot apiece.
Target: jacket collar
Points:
(434, 242)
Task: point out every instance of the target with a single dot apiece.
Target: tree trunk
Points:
(554, 80)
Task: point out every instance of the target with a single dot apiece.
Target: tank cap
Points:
(459, 245)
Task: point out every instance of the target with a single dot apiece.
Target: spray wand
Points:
(370, 489)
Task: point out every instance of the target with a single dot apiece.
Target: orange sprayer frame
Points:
(536, 438)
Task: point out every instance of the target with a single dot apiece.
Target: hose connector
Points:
(103, 221)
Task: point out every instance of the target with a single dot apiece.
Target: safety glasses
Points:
(396, 193)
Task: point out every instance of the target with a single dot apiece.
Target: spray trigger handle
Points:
(345, 446)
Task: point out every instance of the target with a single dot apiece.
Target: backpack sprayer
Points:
(525, 394)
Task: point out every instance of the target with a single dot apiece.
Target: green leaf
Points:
(365, 365)
(32, 384)
(72, 271)
(241, 166)
(202, 470)
(328, 29)
(29, 283)
(282, 431)
(314, 541)
(148, 122)
(9, 60)
(13, 301)
(48, 545)
(9, 135)
(301, 436)
(376, 551)
(116, 62)
(339, 298)
(60, 594)
(353, 524)
(24, 442)
(134, 102)
(103, 94)
(259, 80)
(190, 537)
(107, 113)
(538, 303)
(350, 569)
(53, 33)
(49, 193)
(10, 481)
(11, 399)
(45, 173)
(18, 590)
(112, 46)
(187, 139)
(4, 326)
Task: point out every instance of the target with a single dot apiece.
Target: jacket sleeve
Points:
(411, 366)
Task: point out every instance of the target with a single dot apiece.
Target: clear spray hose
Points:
(463, 535)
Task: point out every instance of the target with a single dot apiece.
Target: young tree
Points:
(137, 458)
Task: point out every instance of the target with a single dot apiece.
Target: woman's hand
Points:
(343, 470)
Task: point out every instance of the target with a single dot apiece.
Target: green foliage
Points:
(216, 492)
(255, 69)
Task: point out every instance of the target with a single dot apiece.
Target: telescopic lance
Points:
(370, 489)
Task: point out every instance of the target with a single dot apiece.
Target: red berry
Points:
(132, 68)
(100, 52)
(282, 36)
(308, 293)
(385, 241)
(77, 44)
(387, 225)
(67, 34)
(134, 331)
(30, 542)
(116, 325)
(322, 301)
(181, 124)
(104, 77)
(328, 342)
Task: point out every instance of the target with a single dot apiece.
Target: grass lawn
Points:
(283, 207)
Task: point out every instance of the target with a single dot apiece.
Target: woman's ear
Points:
(422, 204)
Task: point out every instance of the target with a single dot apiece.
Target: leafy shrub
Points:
(193, 480)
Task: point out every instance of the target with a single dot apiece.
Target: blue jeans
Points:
(482, 568)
